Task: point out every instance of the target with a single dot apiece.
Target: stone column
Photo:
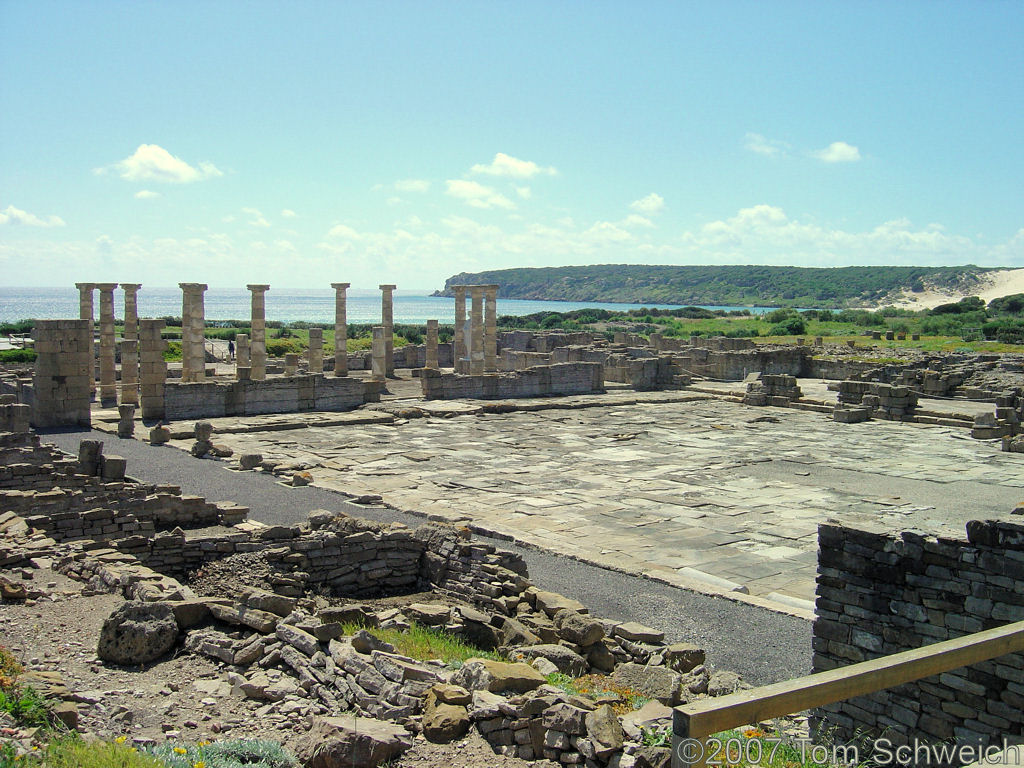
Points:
(63, 370)
(316, 350)
(153, 369)
(340, 330)
(193, 323)
(476, 331)
(490, 328)
(431, 360)
(258, 339)
(387, 320)
(85, 312)
(459, 351)
(131, 310)
(130, 371)
(242, 359)
(380, 354)
(108, 367)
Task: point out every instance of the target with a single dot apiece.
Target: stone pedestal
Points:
(459, 351)
(490, 328)
(193, 325)
(108, 366)
(340, 330)
(316, 350)
(258, 339)
(152, 369)
(379, 355)
(85, 312)
(476, 331)
(242, 358)
(431, 359)
(388, 322)
(126, 421)
(291, 363)
(131, 310)
(63, 371)
(130, 371)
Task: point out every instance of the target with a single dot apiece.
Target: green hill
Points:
(746, 285)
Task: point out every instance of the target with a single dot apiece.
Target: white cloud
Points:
(505, 165)
(838, 152)
(258, 219)
(653, 203)
(412, 185)
(13, 216)
(288, 213)
(477, 195)
(104, 243)
(154, 163)
(524, 192)
(636, 220)
(343, 231)
(606, 231)
(755, 142)
(145, 194)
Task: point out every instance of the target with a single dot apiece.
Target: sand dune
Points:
(996, 284)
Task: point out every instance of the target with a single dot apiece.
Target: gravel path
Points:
(761, 645)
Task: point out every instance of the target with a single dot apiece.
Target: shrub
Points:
(17, 356)
(173, 351)
(236, 753)
(281, 347)
(792, 326)
(19, 327)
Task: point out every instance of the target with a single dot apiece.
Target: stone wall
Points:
(539, 381)
(735, 365)
(291, 394)
(542, 341)
(62, 376)
(881, 592)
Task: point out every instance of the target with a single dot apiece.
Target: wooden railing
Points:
(692, 724)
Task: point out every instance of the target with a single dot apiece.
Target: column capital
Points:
(340, 286)
(476, 290)
(491, 287)
(387, 287)
(85, 286)
(193, 286)
(257, 287)
(459, 288)
(106, 286)
(131, 287)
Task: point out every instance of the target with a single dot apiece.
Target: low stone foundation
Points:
(290, 394)
(539, 381)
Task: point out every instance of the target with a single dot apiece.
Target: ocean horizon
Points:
(287, 305)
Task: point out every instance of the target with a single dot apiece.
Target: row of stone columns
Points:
(476, 341)
(108, 354)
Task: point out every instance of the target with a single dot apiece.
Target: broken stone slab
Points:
(271, 602)
(683, 657)
(297, 638)
(443, 722)
(567, 661)
(349, 740)
(497, 676)
(578, 628)
(552, 602)
(566, 718)
(638, 633)
(253, 618)
(354, 613)
(656, 682)
(249, 461)
(604, 731)
(651, 716)
(428, 614)
(364, 642)
(400, 668)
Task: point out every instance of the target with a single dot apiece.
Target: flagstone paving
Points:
(687, 492)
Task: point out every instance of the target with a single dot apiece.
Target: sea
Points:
(285, 305)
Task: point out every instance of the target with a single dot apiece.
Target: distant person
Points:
(231, 349)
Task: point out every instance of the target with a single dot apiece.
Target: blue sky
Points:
(303, 143)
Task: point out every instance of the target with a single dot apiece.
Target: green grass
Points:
(426, 643)
(72, 752)
(740, 749)
(21, 702)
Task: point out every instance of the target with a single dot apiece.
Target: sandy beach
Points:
(1000, 283)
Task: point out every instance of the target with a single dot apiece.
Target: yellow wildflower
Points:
(121, 739)
(180, 750)
(198, 764)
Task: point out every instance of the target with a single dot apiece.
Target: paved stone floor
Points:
(690, 492)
